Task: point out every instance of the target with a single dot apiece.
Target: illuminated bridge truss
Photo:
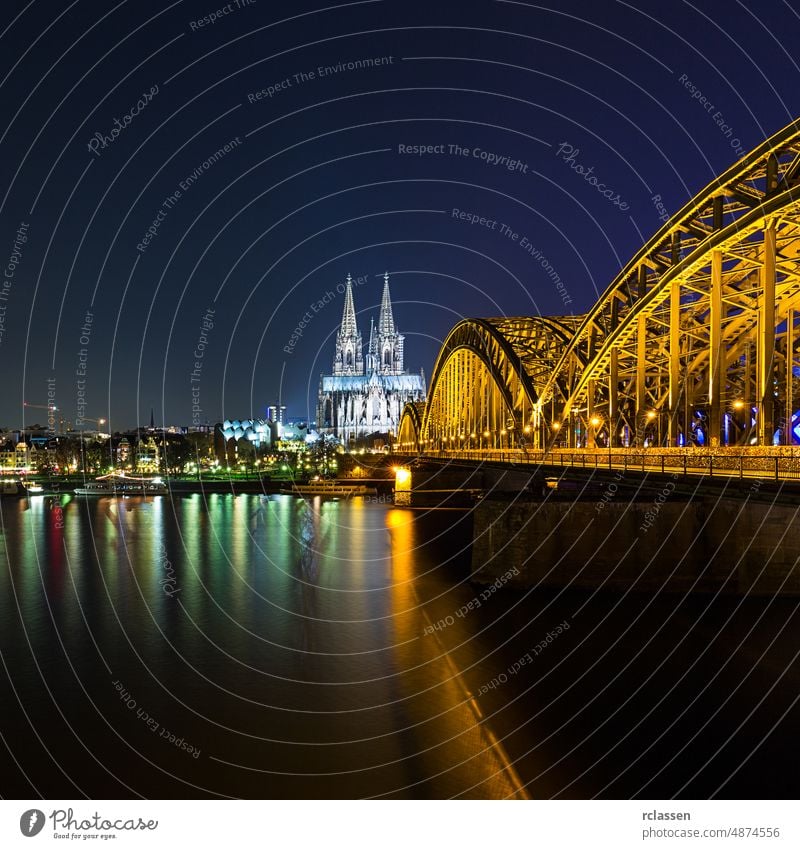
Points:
(694, 343)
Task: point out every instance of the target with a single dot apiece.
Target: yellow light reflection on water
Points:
(469, 755)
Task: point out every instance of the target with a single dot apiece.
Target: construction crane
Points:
(51, 408)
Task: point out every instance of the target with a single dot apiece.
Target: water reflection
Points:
(306, 569)
(477, 763)
(258, 626)
(291, 641)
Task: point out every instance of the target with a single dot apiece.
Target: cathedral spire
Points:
(349, 314)
(348, 359)
(386, 319)
(389, 344)
(372, 350)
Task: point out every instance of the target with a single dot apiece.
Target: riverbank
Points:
(188, 486)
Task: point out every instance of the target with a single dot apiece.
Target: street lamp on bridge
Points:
(556, 427)
(595, 422)
(654, 415)
(527, 430)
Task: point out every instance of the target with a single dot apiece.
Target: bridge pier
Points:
(663, 542)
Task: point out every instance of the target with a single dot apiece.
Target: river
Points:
(272, 647)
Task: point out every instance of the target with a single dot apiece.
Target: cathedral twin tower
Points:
(385, 351)
(366, 394)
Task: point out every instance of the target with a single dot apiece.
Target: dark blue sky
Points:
(655, 102)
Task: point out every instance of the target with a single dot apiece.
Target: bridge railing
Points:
(776, 463)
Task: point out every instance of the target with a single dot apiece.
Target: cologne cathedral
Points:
(367, 391)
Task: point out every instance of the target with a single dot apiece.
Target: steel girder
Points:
(487, 378)
(702, 325)
(409, 433)
(702, 320)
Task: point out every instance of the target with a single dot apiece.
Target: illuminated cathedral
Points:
(367, 391)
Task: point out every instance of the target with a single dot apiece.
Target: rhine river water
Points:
(267, 646)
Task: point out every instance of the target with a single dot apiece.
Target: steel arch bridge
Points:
(694, 343)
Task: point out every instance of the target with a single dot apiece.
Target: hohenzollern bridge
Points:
(691, 349)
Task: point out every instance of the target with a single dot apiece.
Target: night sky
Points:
(512, 100)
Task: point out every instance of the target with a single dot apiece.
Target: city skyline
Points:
(417, 392)
(117, 224)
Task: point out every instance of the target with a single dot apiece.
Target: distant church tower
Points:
(389, 342)
(348, 358)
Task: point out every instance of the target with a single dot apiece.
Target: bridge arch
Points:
(486, 381)
(696, 341)
(409, 434)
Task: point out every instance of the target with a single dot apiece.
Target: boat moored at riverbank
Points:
(122, 485)
(339, 489)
